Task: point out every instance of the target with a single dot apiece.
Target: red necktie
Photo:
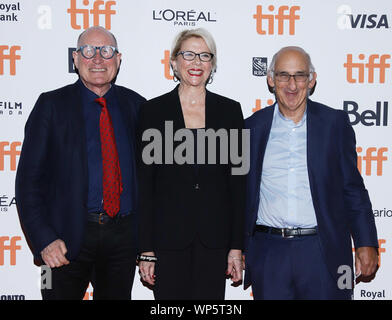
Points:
(112, 185)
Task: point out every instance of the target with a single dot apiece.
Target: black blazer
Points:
(175, 206)
(52, 177)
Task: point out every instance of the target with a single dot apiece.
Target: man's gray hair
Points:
(271, 69)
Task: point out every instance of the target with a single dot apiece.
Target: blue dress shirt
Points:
(285, 198)
(92, 112)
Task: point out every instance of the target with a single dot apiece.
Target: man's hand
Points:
(366, 263)
(54, 254)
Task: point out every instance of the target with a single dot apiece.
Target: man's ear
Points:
(270, 84)
(75, 58)
(312, 84)
(119, 59)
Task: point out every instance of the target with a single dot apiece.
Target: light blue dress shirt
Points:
(285, 198)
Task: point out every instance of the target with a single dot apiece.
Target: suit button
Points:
(197, 187)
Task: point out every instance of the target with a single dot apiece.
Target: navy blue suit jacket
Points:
(340, 199)
(52, 177)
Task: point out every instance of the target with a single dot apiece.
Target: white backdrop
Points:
(349, 43)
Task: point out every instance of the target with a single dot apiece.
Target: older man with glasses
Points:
(306, 198)
(76, 182)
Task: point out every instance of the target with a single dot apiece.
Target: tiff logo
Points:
(369, 158)
(258, 104)
(12, 247)
(380, 250)
(281, 17)
(12, 153)
(95, 12)
(11, 57)
(371, 65)
(166, 65)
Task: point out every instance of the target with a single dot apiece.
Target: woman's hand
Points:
(234, 265)
(147, 269)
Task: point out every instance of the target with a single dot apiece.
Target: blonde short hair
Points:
(197, 33)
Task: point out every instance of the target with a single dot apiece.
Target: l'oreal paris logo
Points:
(183, 18)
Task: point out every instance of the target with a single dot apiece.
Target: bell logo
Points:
(12, 247)
(12, 153)
(368, 118)
(372, 155)
(11, 57)
(96, 12)
(370, 66)
(258, 104)
(280, 17)
(166, 64)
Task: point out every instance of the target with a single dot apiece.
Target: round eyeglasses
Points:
(190, 56)
(89, 52)
(285, 77)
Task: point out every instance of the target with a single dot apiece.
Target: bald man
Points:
(76, 179)
(306, 198)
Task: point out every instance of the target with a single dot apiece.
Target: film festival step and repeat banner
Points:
(348, 40)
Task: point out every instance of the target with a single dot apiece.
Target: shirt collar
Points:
(288, 122)
(89, 96)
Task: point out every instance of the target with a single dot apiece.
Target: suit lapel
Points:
(259, 140)
(211, 114)
(259, 135)
(174, 111)
(314, 143)
(128, 115)
(176, 114)
(78, 131)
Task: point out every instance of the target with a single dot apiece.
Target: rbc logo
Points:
(371, 65)
(11, 57)
(368, 117)
(280, 18)
(96, 12)
(259, 66)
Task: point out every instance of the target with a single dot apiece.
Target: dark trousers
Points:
(196, 272)
(107, 260)
(291, 268)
